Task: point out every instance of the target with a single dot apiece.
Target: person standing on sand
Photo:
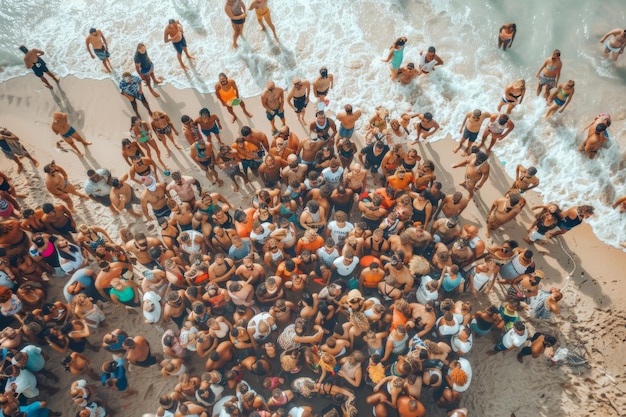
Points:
(98, 187)
(476, 173)
(525, 179)
(13, 149)
(423, 128)
(615, 44)
(504, 210)
(174, 33)
(560, 97)
(123, 196)
(549, 73)
(60, 126)
(263, 12)
(163, 127)
(322, 84)
(209, 123)
(300, 94)
(506, 36)
(191, 130)
(499, 127)
(236, 12)
(273, 101)
(429, 60)
(347, 119)
(228, 94)
(570, 219)
(145, 68)
(98, 42)
(130, 86)
(470, 129)
(32, 60)
(396, 54)
(59, 186)
(538, 344)
(202, 154)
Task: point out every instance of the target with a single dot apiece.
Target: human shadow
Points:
(191, 15)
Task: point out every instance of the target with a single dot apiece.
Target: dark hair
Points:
(245, 131)
(47, 208)
(432, 49)
(91, 172)
(185, 118)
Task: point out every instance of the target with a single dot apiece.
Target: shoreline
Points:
(102, 115)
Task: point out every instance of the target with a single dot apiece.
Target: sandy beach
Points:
(593, 313)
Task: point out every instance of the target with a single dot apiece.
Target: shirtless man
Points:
(426, 127)
(408, 73)
(59, 220)
(228, 94)
(220, 356)
(256, 137)
(299, 94)
(549, 73)
(308, 148)
(123, 196)
(425, 175)
(594, 141)
(140, 247)
(347, 119)
(279, 150)
(270, 170)
(499, 127)
(32, 60)
(446, 230)
(273, 100)
(222, 268)
(138, 352)
(615, 44)
(155, 195)
(452, 205)
(293, 170)
(59, 186)
(183, 185)
(322, 126)
(97, 41)
(263, 13)
(174, 33)
(429, 60)
(322, 84)
(621, 203)
(202, 154)
(163, 127)
(424, 317)
(503, 210)
(60, 126)
(525, 179)
(476, 173)
(397, 269)
(236, 12)
(470, 129)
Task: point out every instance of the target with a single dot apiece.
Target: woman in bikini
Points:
(376, 244)
(513, 95)
(506, 35)
(549, 73)
(346, 150)
(90, 237)
(410, 160)
(140, 131)
(560, 98)
(379, 120)
(392, 160)
(163, 127)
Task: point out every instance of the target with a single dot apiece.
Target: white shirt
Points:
(332, 178)
(327, 258)
(422, 293)
(511, 338)
(343, 269)
(339, 234)
(263, 236)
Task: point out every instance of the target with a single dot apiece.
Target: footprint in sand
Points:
(149, 391)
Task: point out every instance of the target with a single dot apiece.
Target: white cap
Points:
(151, 301)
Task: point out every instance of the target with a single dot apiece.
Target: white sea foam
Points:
(350, 38)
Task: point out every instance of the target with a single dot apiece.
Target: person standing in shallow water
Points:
(549, 73)
(98, 42)
(174, 33)
(32, 60)
(614, 43)
(236, 11)
(228, 94)
(396, 54)
(506, 35)
(263, 13)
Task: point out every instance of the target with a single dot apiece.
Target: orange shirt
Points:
(283, 273)
(249, 151)
(371, 280)
(400, 184)
(310, 246)
(244, 229)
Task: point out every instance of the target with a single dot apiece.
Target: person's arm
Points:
(461, 164)
(88, 48)
(388, 56)
(463, 124)
(483, 178)
(541, 68)
(569, 98)
(619, 201)
(144, 208)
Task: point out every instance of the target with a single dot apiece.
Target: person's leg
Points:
(155, 146)
(147, 78)
(268, 19)
(107, 65)
(243, 107)
(180, 61)
(145, 146)
(236, 33)
(187, 54)
(163, 140)
(146, 105)
(171, 137)
(45, 82)
(133, 103)
(68, 201)
(70, 142)
(79, 138)
(232, 113)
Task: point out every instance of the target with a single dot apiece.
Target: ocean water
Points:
(350, 38)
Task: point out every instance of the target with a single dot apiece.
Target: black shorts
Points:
(105, 200)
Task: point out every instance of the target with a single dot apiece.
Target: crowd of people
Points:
(350, 271)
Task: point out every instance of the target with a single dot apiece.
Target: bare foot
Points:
(234, 119)
(178, 146)
(87, 143)
(191, 57)
(262, 29)
(48, 86)
(235, 46)
(464, 153)
(248, 114)
(455, 150)
(35, 162)
(220, 183)
(167, 155)
(154, 93)
(235, 188)
(20, 168)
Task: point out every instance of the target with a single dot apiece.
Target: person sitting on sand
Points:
(60, 126)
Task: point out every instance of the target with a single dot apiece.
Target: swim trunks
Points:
(558, 101)
(207, 132)
(102, 53)
(69, 133)
(146, 70)
(275, 113)
(345, 133)
(322, 93)
(162, 212)
(180, 45)
(299, 103)
(238, 21)
(471, 136)
(166, 130)
(610, 48)
(549, 81)
(105, 200)
(40, 67)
